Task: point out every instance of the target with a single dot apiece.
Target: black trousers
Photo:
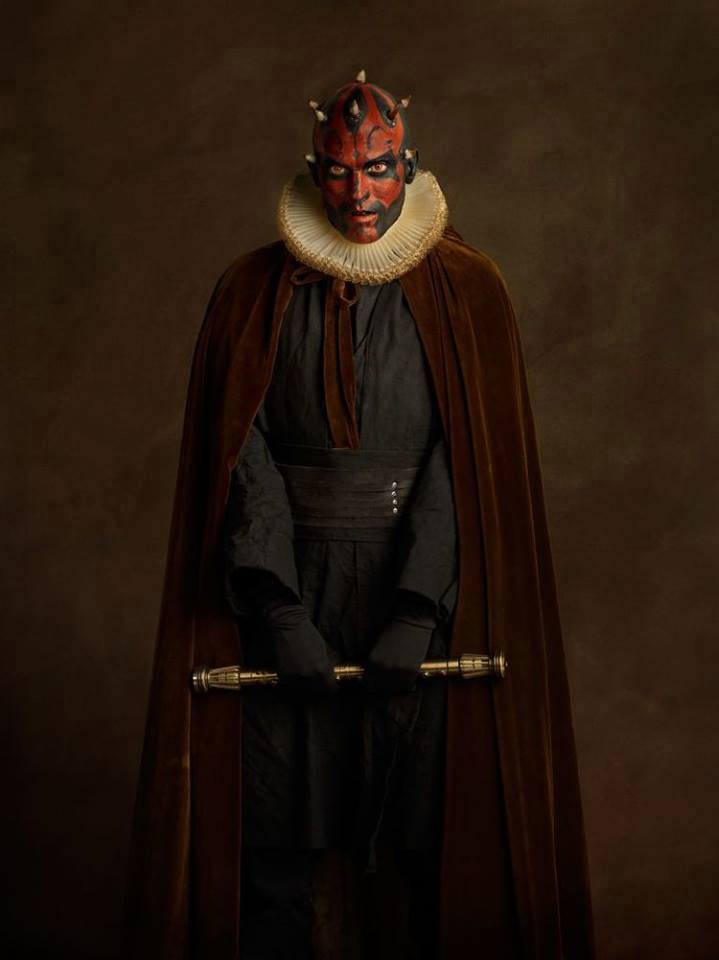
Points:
(280, 921)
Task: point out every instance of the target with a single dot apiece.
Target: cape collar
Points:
(311, 238)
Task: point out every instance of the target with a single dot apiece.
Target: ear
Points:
(314, 169)
(410, 167)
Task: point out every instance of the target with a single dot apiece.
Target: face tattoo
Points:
(361, 160)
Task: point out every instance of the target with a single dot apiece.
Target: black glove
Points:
(394, 660)
(299, 649)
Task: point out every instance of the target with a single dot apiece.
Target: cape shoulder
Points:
(266, 257)
(474, 266)
(248, 273)
(478, 281)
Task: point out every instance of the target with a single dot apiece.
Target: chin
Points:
(352, 230)
(368, 235)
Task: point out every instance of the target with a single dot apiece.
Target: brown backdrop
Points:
(576, 143)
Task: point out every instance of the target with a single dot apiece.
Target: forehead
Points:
(357, 128)
(354, 151)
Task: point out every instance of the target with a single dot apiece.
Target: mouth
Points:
(363, 214)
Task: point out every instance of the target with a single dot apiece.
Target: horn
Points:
(404, 102)
(310, 157)
(313, 105)
(354, 109)
(408, 153)
(361, 77)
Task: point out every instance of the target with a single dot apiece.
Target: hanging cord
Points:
(340, 386)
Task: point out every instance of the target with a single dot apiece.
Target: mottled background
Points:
(143, 147)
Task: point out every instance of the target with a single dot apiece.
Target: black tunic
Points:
(342, 770)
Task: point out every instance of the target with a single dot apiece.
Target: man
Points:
(341, 542)
(359, 480)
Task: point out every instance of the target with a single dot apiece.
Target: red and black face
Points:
(359, 161)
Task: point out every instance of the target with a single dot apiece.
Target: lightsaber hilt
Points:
(466, 666)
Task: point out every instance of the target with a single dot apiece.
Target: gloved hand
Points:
(394, 660)
(299, 649)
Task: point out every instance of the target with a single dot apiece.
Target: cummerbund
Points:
(339, 493)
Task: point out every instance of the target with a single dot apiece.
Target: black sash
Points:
(340, 493)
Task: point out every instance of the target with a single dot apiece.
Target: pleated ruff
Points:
(311, 238)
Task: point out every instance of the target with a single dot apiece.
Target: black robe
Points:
(345, 770)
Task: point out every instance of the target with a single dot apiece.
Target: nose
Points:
(359, 189)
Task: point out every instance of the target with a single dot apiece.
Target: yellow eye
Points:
(378, 167)
(336, 170)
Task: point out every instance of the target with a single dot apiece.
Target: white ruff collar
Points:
(311, 238)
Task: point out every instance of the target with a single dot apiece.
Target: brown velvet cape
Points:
(514, 874)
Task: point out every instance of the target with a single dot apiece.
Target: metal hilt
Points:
(467, 666)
